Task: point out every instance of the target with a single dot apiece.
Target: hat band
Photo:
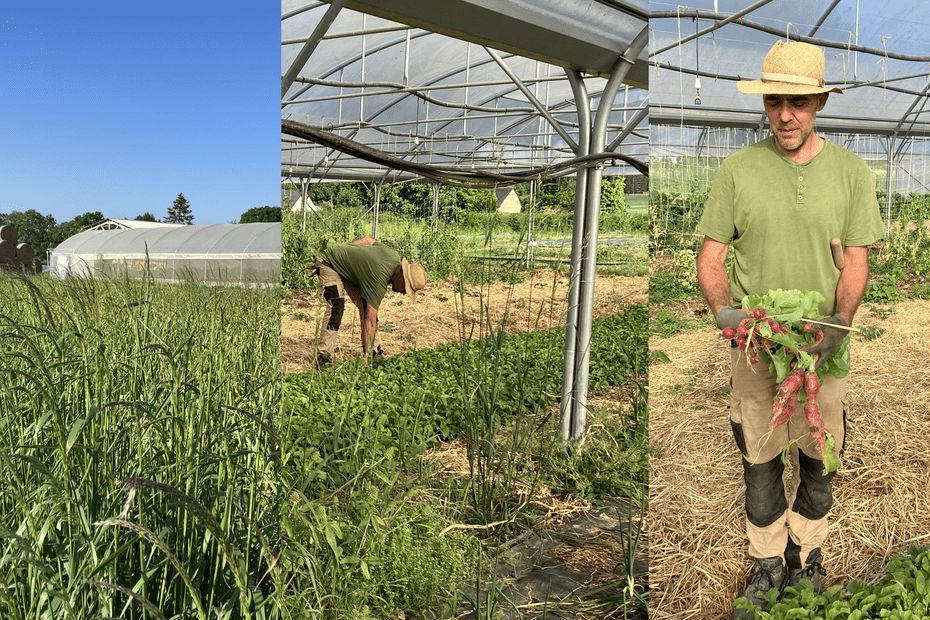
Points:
(791, 79)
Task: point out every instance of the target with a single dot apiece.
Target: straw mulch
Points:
(437, 316)
(697, 546)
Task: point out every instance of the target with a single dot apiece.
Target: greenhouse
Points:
(498, 144)
(240, 254)
(387, 92)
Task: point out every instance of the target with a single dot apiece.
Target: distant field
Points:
(637, 203)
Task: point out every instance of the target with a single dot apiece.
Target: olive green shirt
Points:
(369, 267)
(780, 216)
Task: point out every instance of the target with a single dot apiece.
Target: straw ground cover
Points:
(413, 471)
(137, 452)
(696, 540)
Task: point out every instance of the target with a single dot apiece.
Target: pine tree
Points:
(180, 211)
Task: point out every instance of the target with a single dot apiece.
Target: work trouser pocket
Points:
(736, 425)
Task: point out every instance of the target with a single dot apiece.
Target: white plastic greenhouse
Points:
(241, 254)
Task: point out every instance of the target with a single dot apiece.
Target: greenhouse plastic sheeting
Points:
(243, 254)
(880, 89)
(437, 100)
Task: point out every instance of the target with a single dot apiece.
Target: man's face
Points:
(397, 281)
(792, 118)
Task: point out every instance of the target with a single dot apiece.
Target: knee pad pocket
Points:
(815, 491)
(765, 491)
(337, 304)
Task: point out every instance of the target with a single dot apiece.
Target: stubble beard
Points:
(794, 144)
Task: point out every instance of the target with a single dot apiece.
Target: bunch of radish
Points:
(776, 330)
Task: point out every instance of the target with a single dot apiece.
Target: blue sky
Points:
(119, 106)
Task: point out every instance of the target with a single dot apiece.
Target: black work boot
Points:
(323, 360)
(812, 571)
(767, 573)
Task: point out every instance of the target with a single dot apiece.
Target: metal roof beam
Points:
(851, 47)
(709, 29)
(634, 121)
(310, 45)
(823, 18)
(532, 99)
(584, 34)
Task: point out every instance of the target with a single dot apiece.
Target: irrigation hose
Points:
(447, 175)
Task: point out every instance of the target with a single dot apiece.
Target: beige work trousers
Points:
(329, 329)
(753, 391)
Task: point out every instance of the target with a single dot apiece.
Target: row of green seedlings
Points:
(357, 427)
(903, 594)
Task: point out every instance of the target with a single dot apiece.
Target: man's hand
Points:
(832, 337)
(728, 316)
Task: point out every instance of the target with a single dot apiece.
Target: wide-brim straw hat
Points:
(414, 277)
(790, 68)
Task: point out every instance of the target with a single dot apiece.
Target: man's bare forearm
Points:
(852, 282)
(712, 275)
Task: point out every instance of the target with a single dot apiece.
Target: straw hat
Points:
(414, 277)
(792, 68)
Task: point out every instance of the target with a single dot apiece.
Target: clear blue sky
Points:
(119, 106)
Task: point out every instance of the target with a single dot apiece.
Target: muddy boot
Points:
(767, 573)
(812, 572)
(323, 360)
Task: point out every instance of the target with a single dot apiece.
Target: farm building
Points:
(119, 224)
(244, 254)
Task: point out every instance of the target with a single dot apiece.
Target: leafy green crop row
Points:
(903, 595)
(395, 409)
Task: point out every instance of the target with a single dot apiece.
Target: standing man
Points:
(779, 203)
(361, 270)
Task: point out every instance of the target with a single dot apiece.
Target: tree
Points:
(33, 228)
(145, 217)
(180, 211)
(78, 224)
(261, 214)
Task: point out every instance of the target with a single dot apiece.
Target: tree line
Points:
(43, 232)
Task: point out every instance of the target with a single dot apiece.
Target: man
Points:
(361, 270)
(779, 203)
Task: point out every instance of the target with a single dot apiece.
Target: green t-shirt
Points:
(369, 267)
(780, 216)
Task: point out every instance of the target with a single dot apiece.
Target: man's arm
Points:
(365, 241)
(851, 285)
(369, 327)
(712, 274)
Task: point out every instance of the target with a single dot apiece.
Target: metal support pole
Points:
(889, 184)
(583, 107)
(435, 222)
(303, 204)
(629, 127)
(310, 45)
(579, 400)
(529, 225)
(376, 211)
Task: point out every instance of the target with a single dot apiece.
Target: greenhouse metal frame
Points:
(478, 93)
(879, 59)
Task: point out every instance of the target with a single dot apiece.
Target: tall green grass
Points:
(139, 468)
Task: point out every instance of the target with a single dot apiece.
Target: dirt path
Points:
(437, 316)
(695, 522)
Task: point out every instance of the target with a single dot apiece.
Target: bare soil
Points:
(442, 314)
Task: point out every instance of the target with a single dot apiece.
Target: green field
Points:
(379, 531)
(140, 468)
